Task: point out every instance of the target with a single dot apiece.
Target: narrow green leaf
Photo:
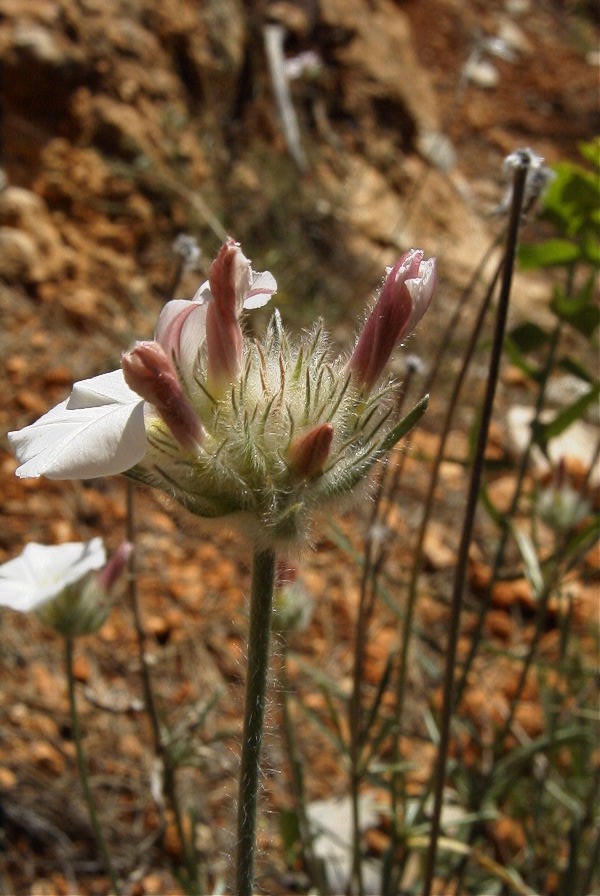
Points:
(579, 310)
(289, 829)
(405, 425)
(533, 570)
(490, 508)
(570, 365)
(518, 360)
(583, 539)
(551, 253)
(381, 689)
(590, 150)
(528, 336)
(323, 681)
(545, 432)
(318, 722)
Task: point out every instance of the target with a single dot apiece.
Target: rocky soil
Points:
(125, 123)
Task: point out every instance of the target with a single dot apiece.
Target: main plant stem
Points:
(259, 643)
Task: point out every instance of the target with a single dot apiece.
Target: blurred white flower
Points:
(67, 585)
(42, 572)
(188, 249)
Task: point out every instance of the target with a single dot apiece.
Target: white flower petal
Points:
(43, 571)
(98, 431)
(100, 391)
(203, 293)
(421, 290)
(262, 288)
(181, 329)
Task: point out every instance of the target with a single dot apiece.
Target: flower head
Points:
(61, 583)
(261, 431)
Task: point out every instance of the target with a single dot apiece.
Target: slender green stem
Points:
(259, 643)
(158, 735)
(486, 600)
(471, 506)
(297, 777)
(417, 563)
(373, 562)
(83, 771)
(132, 591)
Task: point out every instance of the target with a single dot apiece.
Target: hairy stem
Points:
(259, 642)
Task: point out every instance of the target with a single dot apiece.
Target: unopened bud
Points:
(187, 248)
(115, 566)
(230, 277)
(292, 604)
(83, 607)
(559, 504)
(149, 372)
(309, 452)
(405, 297)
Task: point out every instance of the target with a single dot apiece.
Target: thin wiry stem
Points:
(368, 591)
(83, 770)
(514, 503)
(419, 551)
(158, 736)
(297, 778)
(519, 180)
(259, 644)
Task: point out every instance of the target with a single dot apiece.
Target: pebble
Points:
(481, 73)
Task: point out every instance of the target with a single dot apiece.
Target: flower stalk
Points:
(521, 168)
(83, 769)
(259, 643)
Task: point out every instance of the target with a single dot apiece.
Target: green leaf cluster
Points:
(572, 205)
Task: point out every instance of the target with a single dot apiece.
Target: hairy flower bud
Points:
(118, 561)
(292, 603)
(309, 452)
(150, 373)
(229, 278)
(406, 294)
(560, 504)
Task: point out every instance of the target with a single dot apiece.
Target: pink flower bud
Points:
(230, 278)
(107, 577)
(404, 299)
(149, 372)
(309, 452)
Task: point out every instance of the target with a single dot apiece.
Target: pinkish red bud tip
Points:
(115, 566)
(149, 372)
(309, 452)
(404, 298)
